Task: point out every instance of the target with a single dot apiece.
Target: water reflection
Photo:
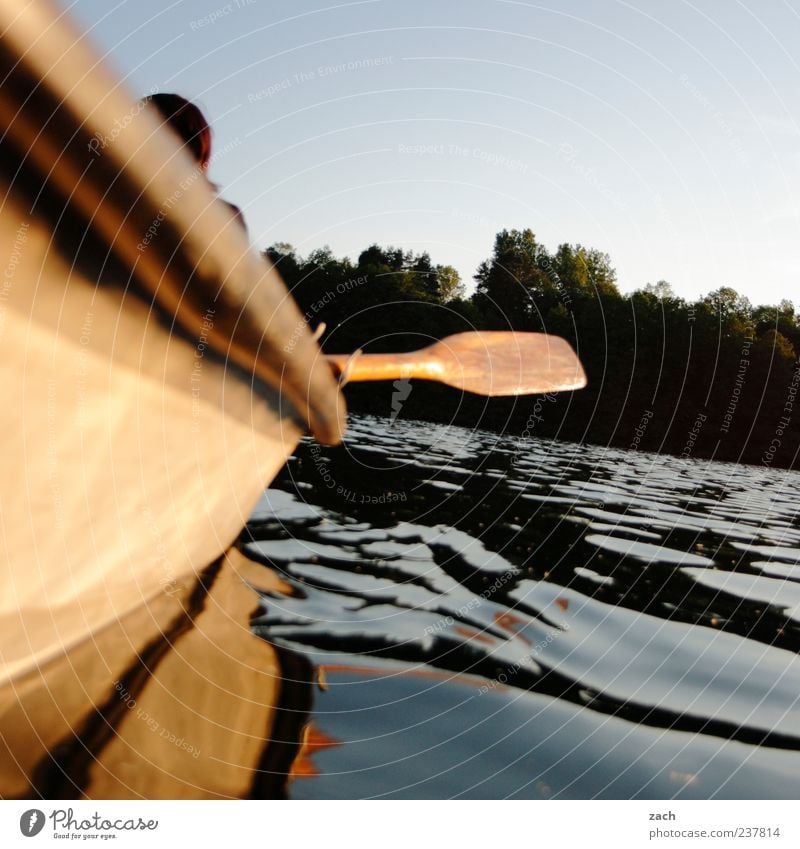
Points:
(502, 618)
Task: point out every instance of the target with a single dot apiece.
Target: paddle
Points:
(484, 362)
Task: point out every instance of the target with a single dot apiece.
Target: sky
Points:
(666, 134)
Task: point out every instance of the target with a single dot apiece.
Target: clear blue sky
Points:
(666, 133)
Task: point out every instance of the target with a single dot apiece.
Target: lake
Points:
(492, 617)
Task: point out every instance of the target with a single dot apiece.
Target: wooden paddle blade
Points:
(484, 362)
(507, 363)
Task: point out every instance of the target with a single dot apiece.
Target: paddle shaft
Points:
(387, 366)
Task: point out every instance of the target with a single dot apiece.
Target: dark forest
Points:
(713, 378)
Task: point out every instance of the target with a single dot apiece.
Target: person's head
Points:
(188, 122)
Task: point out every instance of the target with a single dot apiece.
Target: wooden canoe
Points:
(153, 386)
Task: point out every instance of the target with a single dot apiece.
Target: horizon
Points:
(662, 137)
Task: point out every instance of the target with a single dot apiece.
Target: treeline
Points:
(717, 377)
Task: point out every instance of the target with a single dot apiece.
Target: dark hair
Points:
(187, 121)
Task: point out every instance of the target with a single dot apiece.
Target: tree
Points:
(321, 257)
(782, 318)
(602, 275)
(282, 255)
(422, 282)
(777, 347)
(728, 303)
(733, 312)
(661, 290)
(511, 279)
(449, 285)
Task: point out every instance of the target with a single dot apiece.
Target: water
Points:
(492, 617)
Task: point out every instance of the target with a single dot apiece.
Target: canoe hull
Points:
(134, 457)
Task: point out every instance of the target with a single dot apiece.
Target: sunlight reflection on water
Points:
(497, 617)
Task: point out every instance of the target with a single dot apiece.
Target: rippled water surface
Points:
(494, 617)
